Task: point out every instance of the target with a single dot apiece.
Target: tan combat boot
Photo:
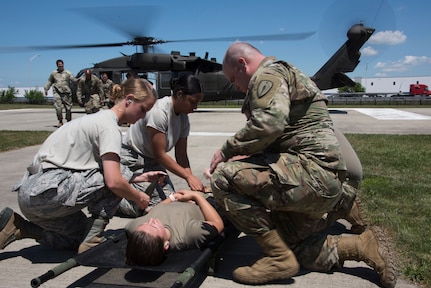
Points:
(357, 217)
(14, 227)
(372, 248)
(279, 263)
(9, 231)
(95, 234)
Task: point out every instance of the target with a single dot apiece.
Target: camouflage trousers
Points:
(92, 104)
(287, 192)
(60, 101)
(54, 199)
(140, 164)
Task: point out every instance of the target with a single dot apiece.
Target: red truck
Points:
(419, 89)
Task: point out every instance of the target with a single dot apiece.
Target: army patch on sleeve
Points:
(264, 87)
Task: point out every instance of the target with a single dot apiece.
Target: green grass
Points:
(396, 194)
(395, 191)
(17, 139)
(4, 106)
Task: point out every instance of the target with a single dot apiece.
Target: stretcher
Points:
(187, 268)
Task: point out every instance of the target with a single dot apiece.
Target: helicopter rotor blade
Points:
(270, 37)
(12, 49)
(151, 42)
(131, 21)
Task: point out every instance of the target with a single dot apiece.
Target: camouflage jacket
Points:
(288, 114)
(107, 87)
(60, 82)
(87, 87)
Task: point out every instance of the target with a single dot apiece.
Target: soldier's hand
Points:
(143, 201)
(194, 183)
(186, 195)
(207, 173)
(217, 158)
(150, 176)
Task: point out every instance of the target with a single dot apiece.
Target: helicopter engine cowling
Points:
(155, 62)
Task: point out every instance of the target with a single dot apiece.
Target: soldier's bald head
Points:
(88, 73)
(238, 50)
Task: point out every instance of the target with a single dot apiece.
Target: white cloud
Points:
(403, 64)
(417, 60)
(388, 38)
(369, 51)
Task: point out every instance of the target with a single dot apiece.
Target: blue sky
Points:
(399, 47)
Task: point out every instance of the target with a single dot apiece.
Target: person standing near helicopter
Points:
(89, 88)
(107, 85)
(166, 126)
(60, 80)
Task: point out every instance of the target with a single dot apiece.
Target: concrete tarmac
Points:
(24, 260)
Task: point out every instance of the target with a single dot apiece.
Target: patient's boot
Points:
(14, 227)
(278, 263)
(357, 217)
(95, 234)
(372, 248)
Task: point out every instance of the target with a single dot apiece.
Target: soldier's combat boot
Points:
(357, 217)
(278, 263)
(68, 115)
(372, 248)
(14, 227)
(95, 234)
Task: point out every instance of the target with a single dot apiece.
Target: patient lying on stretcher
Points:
(185, 220)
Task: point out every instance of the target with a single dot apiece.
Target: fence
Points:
(396, 101)
(351, 100)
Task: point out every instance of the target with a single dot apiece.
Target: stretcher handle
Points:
(54, 272)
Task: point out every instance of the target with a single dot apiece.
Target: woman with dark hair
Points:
(185, 220)
(147, 143)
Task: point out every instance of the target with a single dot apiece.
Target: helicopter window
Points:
(165, 79)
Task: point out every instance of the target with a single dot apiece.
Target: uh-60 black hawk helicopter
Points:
(209, 71)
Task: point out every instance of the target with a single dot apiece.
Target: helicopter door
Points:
(163, 83)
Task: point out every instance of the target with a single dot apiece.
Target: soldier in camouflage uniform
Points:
(60, 80)
(293, 175)
(89, 88)
(77, 167)
(107, 88)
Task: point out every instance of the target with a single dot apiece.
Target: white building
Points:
(391, 84)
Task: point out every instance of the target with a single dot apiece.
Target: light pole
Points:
(29, 67)
(366, 80)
